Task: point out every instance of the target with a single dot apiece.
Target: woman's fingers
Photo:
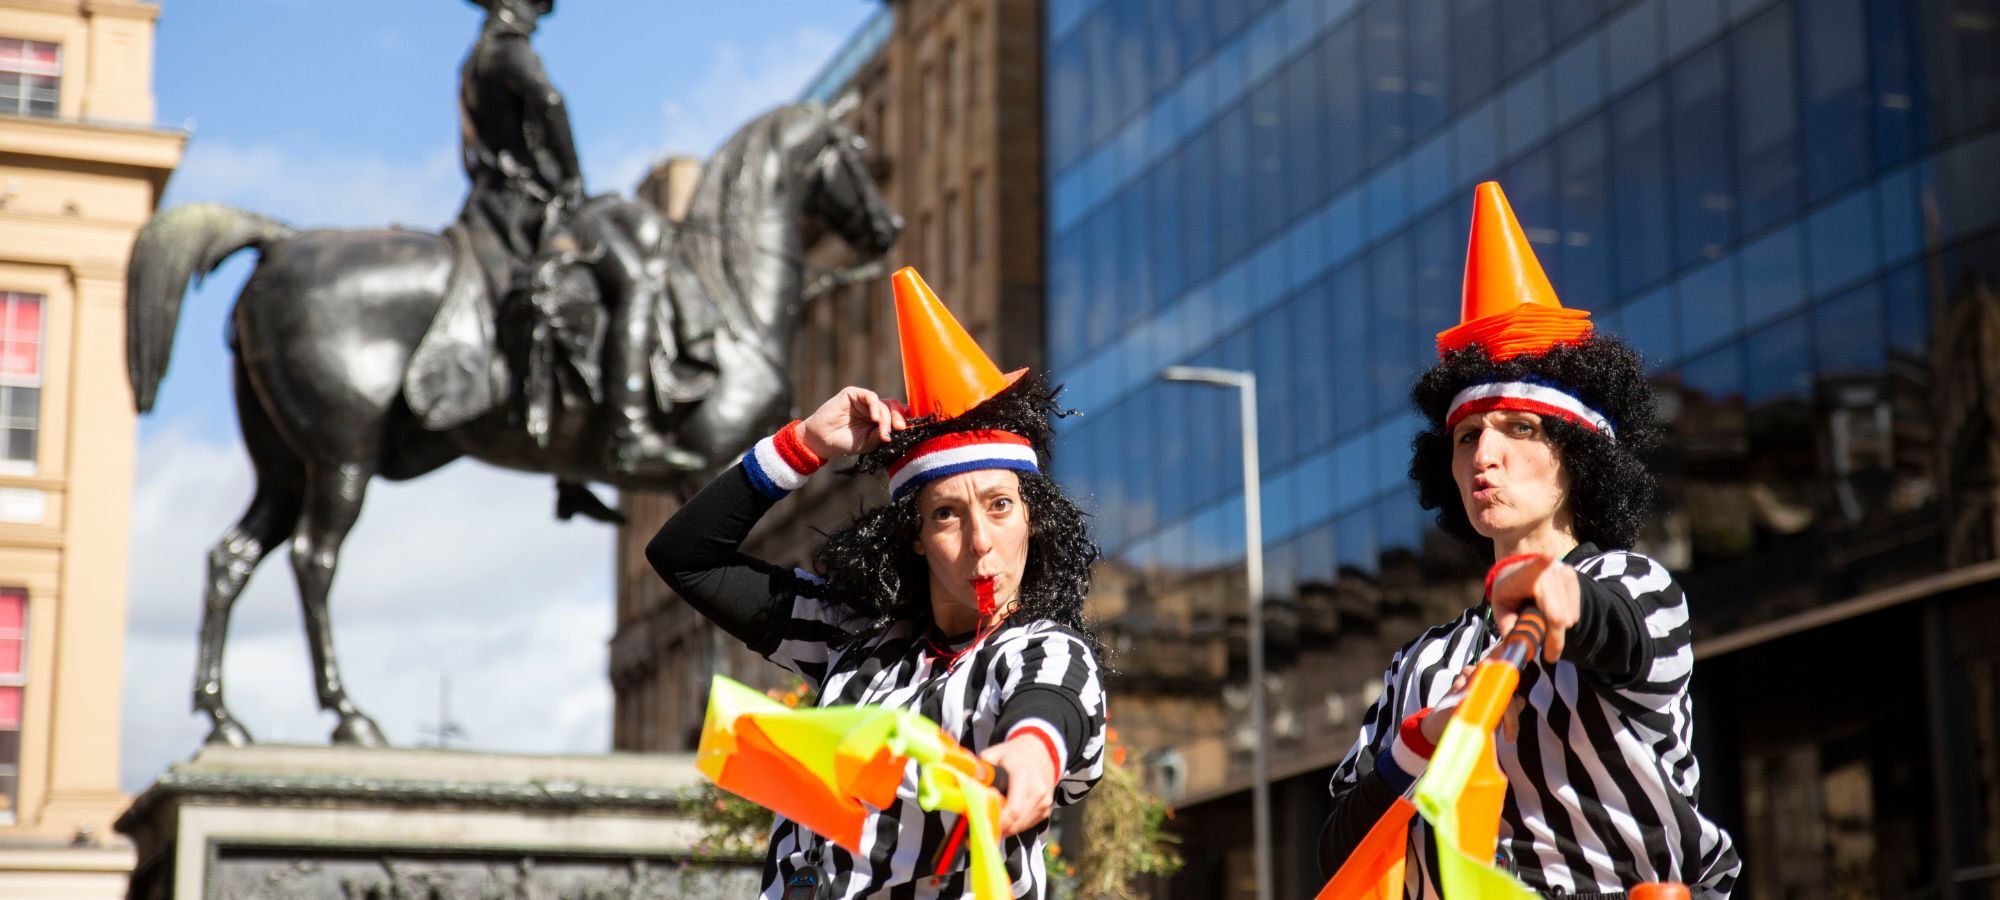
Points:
(1031, 782)
(1549, 586)
(861, 405)
(892, 417)
(871, 412)
(878, 413)
(1020, 811)
(1517, 583)
(855, 420)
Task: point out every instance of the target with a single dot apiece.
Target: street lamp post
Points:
(1253, 537)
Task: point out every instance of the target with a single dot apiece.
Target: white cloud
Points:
(321, 189)
(738, 85)
(463, 573)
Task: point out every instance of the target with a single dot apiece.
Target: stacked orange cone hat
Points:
(944, 371)
(1509, 307)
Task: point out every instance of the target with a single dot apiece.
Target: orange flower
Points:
(1111, 734)
(1118, 755)
(1055, 850)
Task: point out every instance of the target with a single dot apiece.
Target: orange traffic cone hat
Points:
(944, 371)
(946, 376)
(1509, 308)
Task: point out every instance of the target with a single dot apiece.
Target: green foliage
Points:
(1123, 838)
(730, 825)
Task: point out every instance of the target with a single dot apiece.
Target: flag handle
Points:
(968, 763)
(1524, 641)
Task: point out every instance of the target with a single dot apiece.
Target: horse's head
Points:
(843, 193)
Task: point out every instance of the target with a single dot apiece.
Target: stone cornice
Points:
(128, 9)
(18, 857)
(71, 7)
(290, 790)
(138, 146)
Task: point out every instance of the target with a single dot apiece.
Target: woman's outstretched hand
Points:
(1550, 585)
(1031, 782)
(851, 423)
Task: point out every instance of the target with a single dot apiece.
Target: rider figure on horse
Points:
(522, 214)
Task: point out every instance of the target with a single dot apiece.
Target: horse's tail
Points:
(179, 244)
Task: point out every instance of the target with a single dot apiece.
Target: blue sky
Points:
(344, 115)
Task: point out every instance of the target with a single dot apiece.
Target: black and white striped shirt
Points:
(1602, 778)
(1028, 675)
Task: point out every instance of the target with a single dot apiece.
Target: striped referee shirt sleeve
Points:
(778, 612)
(1048, 680)
(1632, 626)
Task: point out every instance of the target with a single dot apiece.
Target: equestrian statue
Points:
(545, 331)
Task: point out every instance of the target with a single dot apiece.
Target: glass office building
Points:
(1792, 208)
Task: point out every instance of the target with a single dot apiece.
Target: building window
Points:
(13, 681)
(954, 244)
(933, 256)
(1767, 120)
(982, 213)
(953, 86)
(932, 107)
(972, 84)
(30, 77)
(20, 380)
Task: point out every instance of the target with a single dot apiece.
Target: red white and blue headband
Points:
(781, 463)
(965, 451)
(1540, 398)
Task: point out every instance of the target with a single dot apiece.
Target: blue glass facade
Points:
(1791, 207)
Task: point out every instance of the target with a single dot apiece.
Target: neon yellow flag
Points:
(826, 768)
(1461, 792)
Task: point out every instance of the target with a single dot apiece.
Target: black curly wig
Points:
(872, 565)
(1611, 490)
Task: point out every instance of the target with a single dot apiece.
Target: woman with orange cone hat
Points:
(960, 599)
(1537, 429)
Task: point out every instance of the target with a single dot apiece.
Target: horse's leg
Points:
(333, 496)
(272, 512)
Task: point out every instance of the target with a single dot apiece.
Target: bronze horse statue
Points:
(327, 324)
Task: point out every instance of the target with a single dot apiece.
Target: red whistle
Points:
(986, 603)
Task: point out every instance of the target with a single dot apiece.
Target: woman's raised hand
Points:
(851, 423)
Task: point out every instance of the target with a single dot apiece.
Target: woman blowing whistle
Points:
(960, 599)
(1536, 430)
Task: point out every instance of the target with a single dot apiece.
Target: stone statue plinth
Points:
(340, 822)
